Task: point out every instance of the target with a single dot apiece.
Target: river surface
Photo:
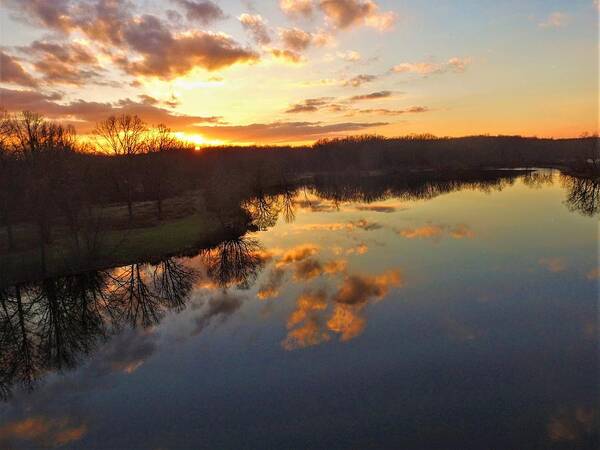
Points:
(451, 320)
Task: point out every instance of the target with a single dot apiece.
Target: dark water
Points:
(454, 316)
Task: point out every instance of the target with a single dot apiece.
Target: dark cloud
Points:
(271, 286)
(54, 14)
(359, 80)
(365, 225)
(308, 269)
(148, 100)
(11, 71)
(125, 353)
(255, 25)
(202, 11)
(358, 289)
(396, 112)
(64, 63)
(138, 45)
(309, 105)
(217, 308)
(84, 114)
(166, 56)
(281, 131)
(377, 208)
(372, 96)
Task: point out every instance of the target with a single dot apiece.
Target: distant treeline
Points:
(47, 174)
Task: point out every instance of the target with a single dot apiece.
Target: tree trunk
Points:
(129, 205)
(11, 237)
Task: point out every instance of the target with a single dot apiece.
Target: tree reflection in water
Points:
(52, 324)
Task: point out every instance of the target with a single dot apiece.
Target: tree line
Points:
(49, 177)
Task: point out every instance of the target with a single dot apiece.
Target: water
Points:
(460, 316)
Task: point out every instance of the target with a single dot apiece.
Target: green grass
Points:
(117, 245)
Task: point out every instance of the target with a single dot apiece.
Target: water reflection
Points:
(338, 260)
(52, 324)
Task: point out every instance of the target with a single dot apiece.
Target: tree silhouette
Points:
(123, 136)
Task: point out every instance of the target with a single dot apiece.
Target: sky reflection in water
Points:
(465, 321)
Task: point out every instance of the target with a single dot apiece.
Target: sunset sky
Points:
(293, 71)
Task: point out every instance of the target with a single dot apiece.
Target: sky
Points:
(295, 71)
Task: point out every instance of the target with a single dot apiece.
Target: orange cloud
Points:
(11, 71)
(308, 325)
(42, 431)
(299, 253)
(455, 64)
(297, 8)
(358, 289)
(426, 232)
(437, 232)
(346, 322)
(349, 13)
(256, 26)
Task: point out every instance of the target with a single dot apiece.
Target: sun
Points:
(197, 139)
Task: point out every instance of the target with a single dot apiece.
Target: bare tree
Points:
(160, 141)
(123, 136)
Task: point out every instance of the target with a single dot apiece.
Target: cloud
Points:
(125, 353)
(359, 80)
(350, 56)
(336, 266)
(42, 431)
(310, 332)
(295, 39)
(297, 8)
(298, 41)
(202, 11)
(287, 56)
(308, 269)
(372, 96)
(555, 20)
(281, 131)
(455, 65)
(84, 115)
(358, 289)
(437, 232)
(553, 264)
(50, 14)
(11, 71)
(365, 225)
(145, 45)
(65, 63)
(311, 268)
(349, 13)
(309, 105)
(377, 208)
(167, 56)
(395, 112)
(309, 325)
(217, 308)
(299, 253)
(256, 26)
(270, 288)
